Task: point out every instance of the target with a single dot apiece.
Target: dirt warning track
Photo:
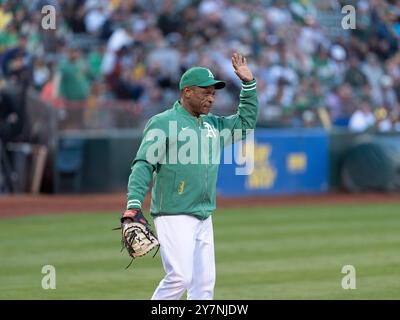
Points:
(23, 205)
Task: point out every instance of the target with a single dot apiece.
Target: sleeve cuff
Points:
(249, 85)
(134, 204)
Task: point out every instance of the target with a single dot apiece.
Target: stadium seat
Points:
(68, 175)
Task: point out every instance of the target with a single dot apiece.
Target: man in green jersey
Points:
(175, 155)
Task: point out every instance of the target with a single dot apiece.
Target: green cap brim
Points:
(216, 83)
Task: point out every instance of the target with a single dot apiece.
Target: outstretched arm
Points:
(246, 116)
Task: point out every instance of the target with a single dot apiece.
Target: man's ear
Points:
(187, 92)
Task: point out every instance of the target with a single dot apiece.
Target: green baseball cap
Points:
(200, 77)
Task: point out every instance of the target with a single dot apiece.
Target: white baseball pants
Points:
(187, 253)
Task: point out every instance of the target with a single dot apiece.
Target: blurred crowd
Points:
(309, 74)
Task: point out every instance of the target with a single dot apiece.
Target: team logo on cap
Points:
(210, 75)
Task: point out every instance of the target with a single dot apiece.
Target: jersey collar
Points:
(181, 109)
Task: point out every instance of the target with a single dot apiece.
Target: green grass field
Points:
(261, 253)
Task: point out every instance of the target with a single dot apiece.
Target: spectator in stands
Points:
(395, 119)
(278, 101)
(354, 74)
(168, 20)
(16, 63)
(50, 90)
(74, 14)
(41, 73)
(323, 67)
(10, 117)
(383, 122)
(74, 85)
(363, 118)
(121, 80)
(374, 72)
(340, 103)
(389, 97)
(8, 36)
(94, 61)
(95, 17)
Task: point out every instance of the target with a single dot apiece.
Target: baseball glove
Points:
(137, 236)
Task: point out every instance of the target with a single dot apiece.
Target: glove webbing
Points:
(131, 239)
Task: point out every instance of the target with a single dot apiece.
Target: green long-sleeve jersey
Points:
(181, 154)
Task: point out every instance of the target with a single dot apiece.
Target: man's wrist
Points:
(129, 215)
(249, 82)
(134, 204)
(126, 220)
(249, 85)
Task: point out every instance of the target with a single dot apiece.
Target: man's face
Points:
(201, 99)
